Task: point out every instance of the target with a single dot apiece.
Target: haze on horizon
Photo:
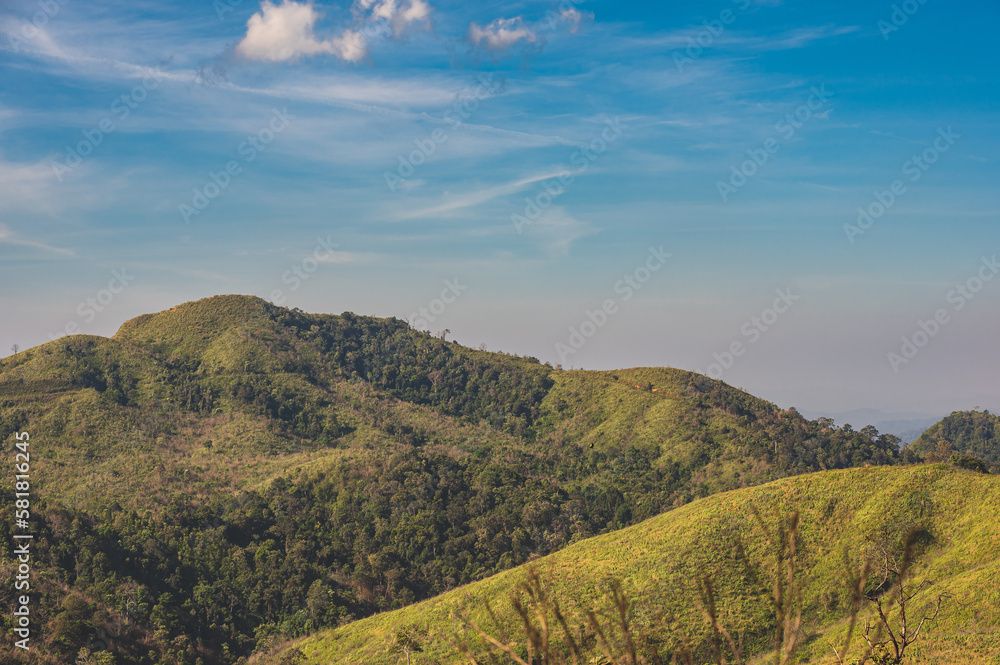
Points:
(787, 189)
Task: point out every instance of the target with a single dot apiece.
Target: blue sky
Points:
(601, 184)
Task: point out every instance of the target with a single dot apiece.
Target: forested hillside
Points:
(229, 473)
(970, 434)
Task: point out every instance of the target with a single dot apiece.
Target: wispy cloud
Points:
(26, 187)
(47, 46)
(9, 237)
(735, 39)
(470, 199)
(573, 17)
(557, 230)
(348, 257)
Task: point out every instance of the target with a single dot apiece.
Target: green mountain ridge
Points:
(310, 469)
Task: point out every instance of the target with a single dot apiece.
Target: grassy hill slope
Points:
(658, 560)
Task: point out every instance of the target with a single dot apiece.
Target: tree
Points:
(15, 348)
(970, 462)
(292, 656)
(318, 601)
(889, 586)
(409, 640)
(88, 657)
(435, 377)
(941, 454)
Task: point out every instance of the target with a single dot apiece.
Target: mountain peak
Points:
(208, 312)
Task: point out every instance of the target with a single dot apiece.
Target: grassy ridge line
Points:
(656, 561)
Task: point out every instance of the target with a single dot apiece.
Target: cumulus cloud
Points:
(500, 34)
(285, 32)
(401, 16)
(503, 33)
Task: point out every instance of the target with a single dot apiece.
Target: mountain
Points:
(228, 473)
(659, 562)
(971, 433)
(906, 425)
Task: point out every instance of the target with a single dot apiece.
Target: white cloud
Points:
(285, 32)
(400, 16)
(501, 34)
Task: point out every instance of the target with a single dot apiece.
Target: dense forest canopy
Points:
(974, 433)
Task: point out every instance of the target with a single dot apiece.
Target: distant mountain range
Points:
(907, 426)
